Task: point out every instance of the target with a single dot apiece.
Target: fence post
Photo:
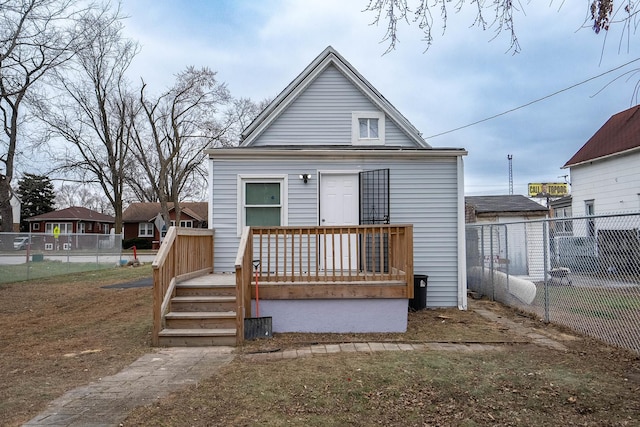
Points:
(491, 271)
(545, 257)
(482, 251)
(506, 253)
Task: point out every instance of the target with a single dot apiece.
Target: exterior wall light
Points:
(305, 177)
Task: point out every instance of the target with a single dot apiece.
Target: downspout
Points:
(462, 248)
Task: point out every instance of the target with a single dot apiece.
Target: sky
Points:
(466, 76)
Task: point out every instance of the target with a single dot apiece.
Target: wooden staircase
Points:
(202, 313)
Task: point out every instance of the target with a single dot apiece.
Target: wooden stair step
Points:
(201, 315)
(203, 303)
(203, 289)
(197, 337)
(204, 298)
(200, 319)
(229, 332)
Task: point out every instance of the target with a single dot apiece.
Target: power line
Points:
(534, 101)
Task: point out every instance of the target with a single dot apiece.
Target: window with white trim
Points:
(367, 128)
(35, 226)
(262, 201)
(64, 227)
(145, 229)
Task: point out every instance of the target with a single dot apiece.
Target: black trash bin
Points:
(419, 301)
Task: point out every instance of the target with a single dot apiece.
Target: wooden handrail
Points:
(184, 253)
(243, 280)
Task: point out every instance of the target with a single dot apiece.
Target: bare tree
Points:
(78, 194)
(495, 14)
(93, 109)
(36, 37)
(240, 114)
(173, 130)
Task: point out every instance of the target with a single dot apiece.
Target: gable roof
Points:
(327, 58)
(621, 133)
(74, 213)
(514, 203)
(147, 211)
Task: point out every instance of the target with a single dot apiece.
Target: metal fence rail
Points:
(581, 272)
(26, 256)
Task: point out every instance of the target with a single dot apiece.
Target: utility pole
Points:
(510, 158)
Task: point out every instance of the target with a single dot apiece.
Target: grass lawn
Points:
(523, 386)
(46, 268)
(63, 332)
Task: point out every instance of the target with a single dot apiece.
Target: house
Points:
(605, 180)
(510, 247)
(605, 171)
(331, 151)
(138, 219)
(75, 220)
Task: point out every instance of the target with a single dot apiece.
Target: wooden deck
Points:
(193, 306)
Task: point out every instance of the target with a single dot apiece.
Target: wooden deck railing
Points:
(333, 254)
(185, 253)
(380, 255)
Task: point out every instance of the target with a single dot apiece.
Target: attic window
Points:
(367, 128)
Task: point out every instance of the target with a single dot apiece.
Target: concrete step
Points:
(197, 337)
(191, 303)
(201, 320)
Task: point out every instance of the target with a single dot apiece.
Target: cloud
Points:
(466, 76)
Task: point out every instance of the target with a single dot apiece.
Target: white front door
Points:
(339, 206)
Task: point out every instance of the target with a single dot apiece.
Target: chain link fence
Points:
(580, 272)
(26, 256)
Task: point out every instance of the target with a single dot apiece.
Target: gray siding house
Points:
(331, 150)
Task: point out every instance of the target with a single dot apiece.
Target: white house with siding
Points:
(605, 171)
(331, 150)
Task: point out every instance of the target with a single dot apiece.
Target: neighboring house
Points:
(73, 220)
(139, 219)
(605, 172)
(331, 150)
(605, 179)
(523, 259)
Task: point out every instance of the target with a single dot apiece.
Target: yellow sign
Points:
(548, 189)
(56, 232)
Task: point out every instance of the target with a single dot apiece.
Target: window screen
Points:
(262, 203)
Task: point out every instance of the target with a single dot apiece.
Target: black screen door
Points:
(374, 197)
(374, 209)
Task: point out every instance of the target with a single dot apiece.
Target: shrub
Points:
(138, 242)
